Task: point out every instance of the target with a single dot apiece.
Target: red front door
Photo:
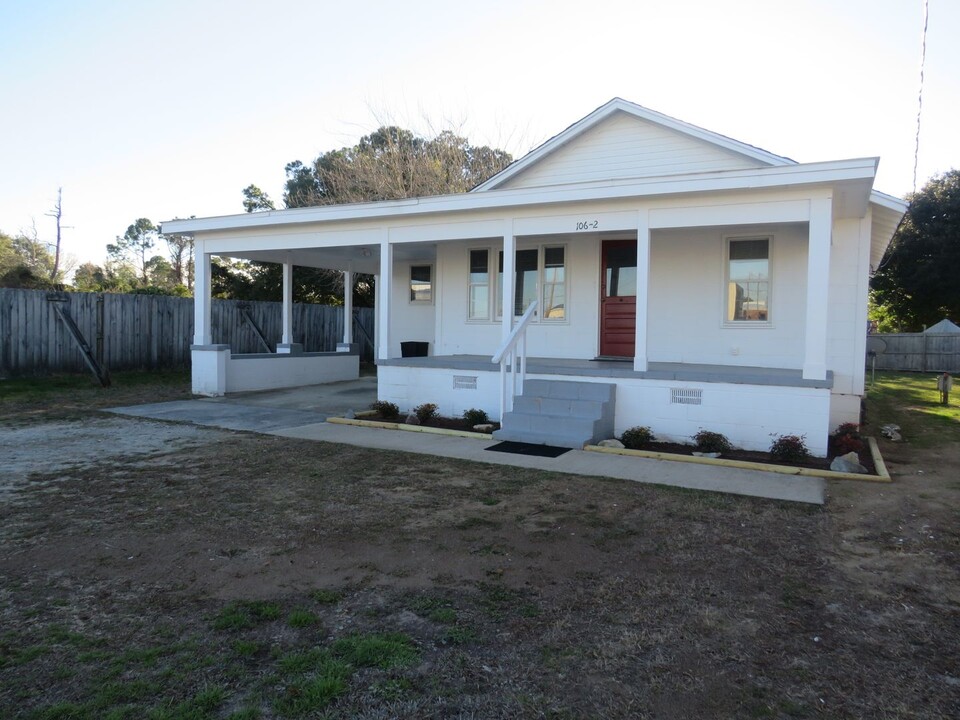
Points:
(618, 298)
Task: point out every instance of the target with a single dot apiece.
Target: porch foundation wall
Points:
(216, 371)
(269, 372)
(449, 389)
(746, 414)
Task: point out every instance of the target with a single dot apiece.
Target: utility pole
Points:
(57, 213)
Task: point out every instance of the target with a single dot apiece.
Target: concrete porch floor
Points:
(302, 413)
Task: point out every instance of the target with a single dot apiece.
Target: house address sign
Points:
(588, 224)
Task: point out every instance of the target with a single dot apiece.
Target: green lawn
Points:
(911, 400)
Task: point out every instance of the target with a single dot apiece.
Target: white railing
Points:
(513, 352)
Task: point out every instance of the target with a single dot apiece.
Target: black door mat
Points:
(519, 448)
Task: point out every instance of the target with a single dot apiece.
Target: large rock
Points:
(612, 443)
(849, 463)
(412, 419)
(483, 428)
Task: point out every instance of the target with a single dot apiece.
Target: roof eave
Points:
(721, 181)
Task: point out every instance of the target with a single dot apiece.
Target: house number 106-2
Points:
(588, 224)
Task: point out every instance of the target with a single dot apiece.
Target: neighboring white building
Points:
(714, 285)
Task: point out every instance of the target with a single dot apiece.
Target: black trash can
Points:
(413, 348)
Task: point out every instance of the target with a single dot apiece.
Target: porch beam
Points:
(818, 286)
(384, 296)
(640, 361)
(509, 279)
(201, 295)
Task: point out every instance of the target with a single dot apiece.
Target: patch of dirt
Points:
(526, 593)
(50, 448)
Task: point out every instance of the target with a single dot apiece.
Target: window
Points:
(479, 299)
(421, 285)
(748, 280)
(554, 303)
(537, 268)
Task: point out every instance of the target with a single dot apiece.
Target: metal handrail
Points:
(513, 351)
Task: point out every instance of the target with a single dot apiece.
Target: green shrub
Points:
(789, 448)
(475, 416)
(637, 438)
(712, 442)
(386, 410)
(425, 412)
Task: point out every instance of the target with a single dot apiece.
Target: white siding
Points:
(687, 296)
(577, 337)
(624, 146)
(846, 328)
(409, 320)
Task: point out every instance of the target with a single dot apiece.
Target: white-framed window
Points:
(554, 303)
(747, 281)
(421, 283)
(539, 270)
(478, 300)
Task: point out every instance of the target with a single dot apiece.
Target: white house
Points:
(653, 273)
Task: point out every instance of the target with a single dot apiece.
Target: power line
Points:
(923, 59)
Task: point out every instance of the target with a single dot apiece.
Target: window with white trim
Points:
(421, 283)
(748, 280)
(554, 305)
(535, 268)
(478, 302)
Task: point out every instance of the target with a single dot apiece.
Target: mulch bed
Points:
(444, 423)
(813, 463)
(760, 457)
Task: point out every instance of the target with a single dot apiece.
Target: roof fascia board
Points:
(888, 201)
(638, 111)
(762, 178)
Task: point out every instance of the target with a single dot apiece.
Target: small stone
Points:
(612, 443)
(891, 432)
(483, 427)
(350, 415)
(412, 419)
(848, 463)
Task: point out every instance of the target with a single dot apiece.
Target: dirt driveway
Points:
(158, 570)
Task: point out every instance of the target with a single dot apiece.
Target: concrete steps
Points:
(560, 413)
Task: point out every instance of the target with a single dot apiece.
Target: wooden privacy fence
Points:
(921, 352)
(128, 332)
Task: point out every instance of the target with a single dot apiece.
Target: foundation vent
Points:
(686, 396)
(464, 382)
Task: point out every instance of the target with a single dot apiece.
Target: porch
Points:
(679, 372)
(675, 400)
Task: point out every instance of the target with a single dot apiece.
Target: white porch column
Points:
(201, 296)
(818, 284)
(376, 309)
(347, 307)
(384, 285)
(286, 345)
(643, 290)
(509, 279)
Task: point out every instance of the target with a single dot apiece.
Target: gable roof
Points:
(619, 105)
(887, 210)
(944, 326)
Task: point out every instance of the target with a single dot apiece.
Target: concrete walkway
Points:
(301, 413)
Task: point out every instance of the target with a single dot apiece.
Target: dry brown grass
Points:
(525, 593)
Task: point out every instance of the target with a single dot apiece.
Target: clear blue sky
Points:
(170, 108)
